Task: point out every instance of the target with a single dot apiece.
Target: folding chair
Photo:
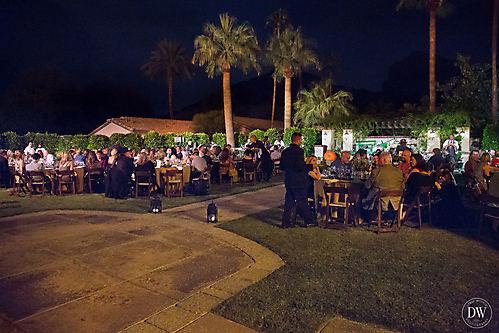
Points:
(277, 166)
(489, 208)
(96, 175)
(140, 180)
(36, 179)
(422, 199)
(223, 172)
(174, 183)
(66, 178)
(249, 173)
(20, 183)
(337, 197)
(386, 194)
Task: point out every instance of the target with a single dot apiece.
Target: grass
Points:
(14, 205)
(412, 281)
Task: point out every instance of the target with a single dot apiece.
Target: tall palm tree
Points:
(494, 62)
(222, 48)
(278, 21)
(314, 105)
(441, 8)
(331, 64)
(169, 59)
(290, 52)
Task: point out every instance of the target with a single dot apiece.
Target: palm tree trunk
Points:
(494, 62)
(273, 104)
(170, 92)
(287, 101)
(433, 14)
(229, 131)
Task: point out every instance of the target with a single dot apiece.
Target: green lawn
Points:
(412, 281)
(14, 205)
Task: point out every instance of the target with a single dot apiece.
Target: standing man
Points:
(295, 180)
(452, 146)
(264, 157)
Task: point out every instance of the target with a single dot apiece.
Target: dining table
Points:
(186, 172)
(356, 191)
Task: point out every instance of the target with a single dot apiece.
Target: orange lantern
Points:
(330, 156)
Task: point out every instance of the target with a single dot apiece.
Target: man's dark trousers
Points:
(296, 196)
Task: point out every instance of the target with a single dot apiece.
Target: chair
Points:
(378, 209)
(140, 180)
(174, 183)
(337, 197)
(36, 179)
(93, 175)
(206, 175)
(20, 183)
(224, 171)
(479, 189)
(489, 208)
(249, 173)
(277, 166)
(422, 199)
(66, 178)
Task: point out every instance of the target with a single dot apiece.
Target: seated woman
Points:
(65, 164)
(92, 162)
(481, 172)
(313, 174)
(249, 155)
(417, 162)
(450, 211)
(144, 164)
(226, 159)
(417, 180)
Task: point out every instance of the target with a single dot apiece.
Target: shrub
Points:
(240, 139)
(152, 140)
(288, 132)
(220, 139)
(98, 141)
(202, 139)
(169, 139)
(64, 143)
(490, 137)
(30, 137)
(50, 141)
(12, 141)
(258, 133)
(134, 141)
(273, 134)
(188, 136)
(309, 140)
(80, 141)
(117, 139)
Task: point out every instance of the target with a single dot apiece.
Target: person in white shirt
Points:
(452, 146)
(275, 154)
(36, 165)
(278, 142)
(48, 160)
(199, 165)
(29, 149)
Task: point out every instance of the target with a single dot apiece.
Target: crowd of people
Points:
(117, 164)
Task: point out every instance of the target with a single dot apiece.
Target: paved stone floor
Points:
(82, 271)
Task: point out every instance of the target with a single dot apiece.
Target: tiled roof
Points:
(162, 126)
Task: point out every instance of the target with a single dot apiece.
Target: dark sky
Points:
(104, 39)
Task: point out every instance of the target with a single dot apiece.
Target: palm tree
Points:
(314, 105)
(169, 59)
(331, 65)
(222, 48)
(278, 20)
(441, 8)
(290, 52)
(494, 62)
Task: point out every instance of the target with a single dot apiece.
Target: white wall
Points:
(112, 128)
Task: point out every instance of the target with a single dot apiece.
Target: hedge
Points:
(56, 143)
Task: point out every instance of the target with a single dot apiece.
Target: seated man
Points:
(469, 168)
(199, 165)
(385, 177)
(36, 165)
(405, 164)
(437, 160)
(343, 163)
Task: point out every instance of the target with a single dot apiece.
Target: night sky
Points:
(94, 40)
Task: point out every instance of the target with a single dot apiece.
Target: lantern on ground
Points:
(212, 213)
(155, 205)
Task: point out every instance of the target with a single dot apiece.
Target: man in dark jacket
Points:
(295, 180)
(4, 170)
(266, 162)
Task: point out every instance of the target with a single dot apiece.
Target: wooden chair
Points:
(66, 178)
(249, 173)
(20, 182)
(223, 172)
(277, 166)
(489, 208)
(36, 179)
(337, 197)
(378, 209)
(206, 175)
(93, 175)
(422, 199)
(174, 183)
(140, 180)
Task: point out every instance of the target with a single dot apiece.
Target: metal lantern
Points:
(212, 213)
(156, 205)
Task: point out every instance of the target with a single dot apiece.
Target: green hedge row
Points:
(56, 143)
